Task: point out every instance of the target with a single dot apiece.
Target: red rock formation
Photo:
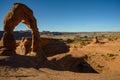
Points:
(95, 40)
(24, 46)
(19, 13)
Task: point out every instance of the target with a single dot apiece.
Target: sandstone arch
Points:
(19, 13)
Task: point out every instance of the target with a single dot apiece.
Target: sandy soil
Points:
(92, 62)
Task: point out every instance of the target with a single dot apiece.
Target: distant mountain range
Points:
(18, 34)
(27, 33)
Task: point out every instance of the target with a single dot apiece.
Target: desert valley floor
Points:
(94, 61)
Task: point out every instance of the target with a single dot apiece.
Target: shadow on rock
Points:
(17, 61)
(50, 47)
(54, 47)
(69, 63)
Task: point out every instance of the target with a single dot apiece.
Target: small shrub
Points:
(99, 66)
(83, 43)
(109, 56)
(112, 55)
(75, 46)
(69, 40)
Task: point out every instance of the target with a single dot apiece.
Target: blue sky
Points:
(69, 15)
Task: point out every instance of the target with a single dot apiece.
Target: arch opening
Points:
(21, 27)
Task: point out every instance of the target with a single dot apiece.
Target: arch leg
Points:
(8, 44)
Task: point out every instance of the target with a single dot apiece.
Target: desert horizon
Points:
(60, 40)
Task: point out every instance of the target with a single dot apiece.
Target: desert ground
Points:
(69, 57)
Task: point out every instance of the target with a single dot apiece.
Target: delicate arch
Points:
(19, 13)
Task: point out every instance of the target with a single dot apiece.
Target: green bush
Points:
(69, 40)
